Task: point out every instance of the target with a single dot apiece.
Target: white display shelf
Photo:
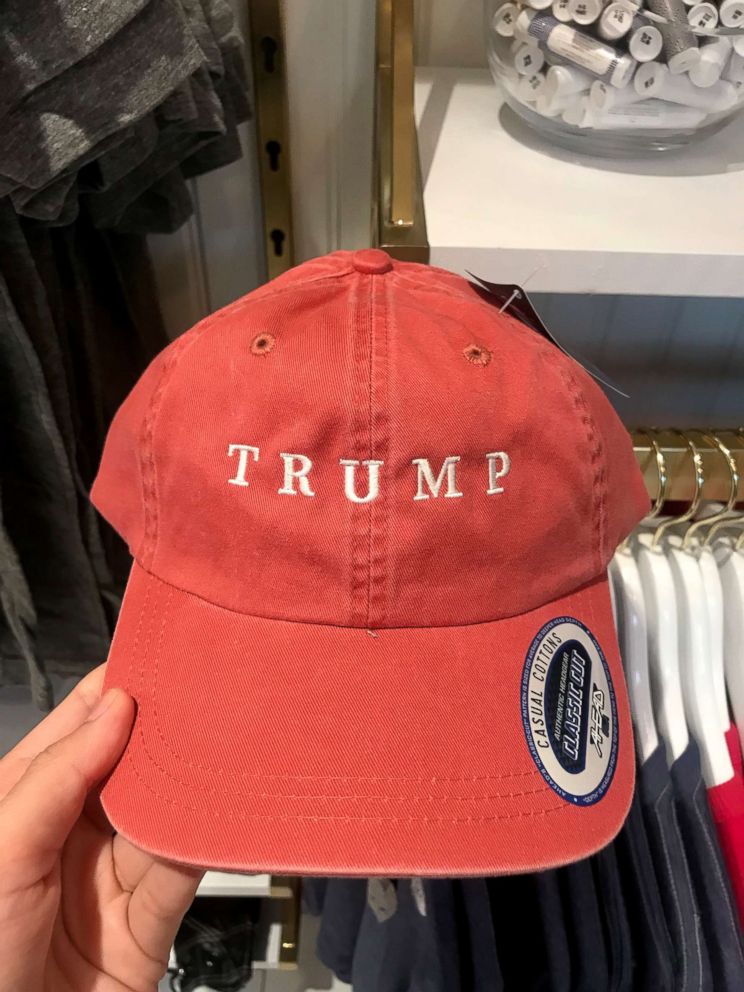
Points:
(223, 883)
(504, 204)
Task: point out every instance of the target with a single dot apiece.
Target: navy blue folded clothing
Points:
(313, 894)
(531, 942)
(653, 955)
(692, 972)
(409, 938)
(344, 905)
(589, 965)
(615, 920)
(431, 935)
(557, 976)
(479, 963)
(710, 879)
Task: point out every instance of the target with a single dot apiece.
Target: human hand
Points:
(81, 909)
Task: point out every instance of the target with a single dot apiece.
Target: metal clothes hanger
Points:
(712, 579)
(659, 595)
(630, 611)
(720, 518)
(694, 635)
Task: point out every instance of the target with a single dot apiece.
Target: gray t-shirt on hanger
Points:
(709, 875)
(41, 40)
(117, 85)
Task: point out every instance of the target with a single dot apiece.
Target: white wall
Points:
(681, 360)
(330, 56)
(449, 32)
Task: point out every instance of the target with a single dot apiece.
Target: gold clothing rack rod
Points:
(678, 459)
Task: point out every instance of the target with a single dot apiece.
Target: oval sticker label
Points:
(569, 711)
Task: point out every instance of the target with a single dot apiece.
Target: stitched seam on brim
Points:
(234, 815)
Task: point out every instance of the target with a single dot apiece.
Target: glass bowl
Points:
(619, 77)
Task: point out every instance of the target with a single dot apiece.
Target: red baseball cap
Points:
(368, 625)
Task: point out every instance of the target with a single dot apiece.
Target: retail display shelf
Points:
(225, 883)
(222, 883)
(505, 205)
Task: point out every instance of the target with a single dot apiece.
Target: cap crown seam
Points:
(359, 421)
(379, 430)
(596, 458)
(371, 441)
(385, 508)
(264, 293)
(148, 469)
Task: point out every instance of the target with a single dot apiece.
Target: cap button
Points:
(373, 261)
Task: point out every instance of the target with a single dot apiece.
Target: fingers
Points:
(130, 863)
(158, 905)
(70, 714)
(38, 813)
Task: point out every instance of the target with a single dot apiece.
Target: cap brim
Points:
(266, 745)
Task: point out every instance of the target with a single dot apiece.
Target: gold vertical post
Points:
(290, 917)
(272, 132)
(398, 223)
(404, 149)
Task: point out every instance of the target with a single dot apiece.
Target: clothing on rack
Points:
(407, 937)
(551, 949)
(692, 966)
(344, 904)
(711, 880)
(615, 922)
(150, 103)
(516, 908)
(40, 508)
(480, 969)
(653, 956)
(727, 806)
(581, 907)
(734, 750)
(106, 113)
(39, 43)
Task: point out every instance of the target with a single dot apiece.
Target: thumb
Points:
(41, 809)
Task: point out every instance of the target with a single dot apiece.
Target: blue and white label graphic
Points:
(569, 711)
